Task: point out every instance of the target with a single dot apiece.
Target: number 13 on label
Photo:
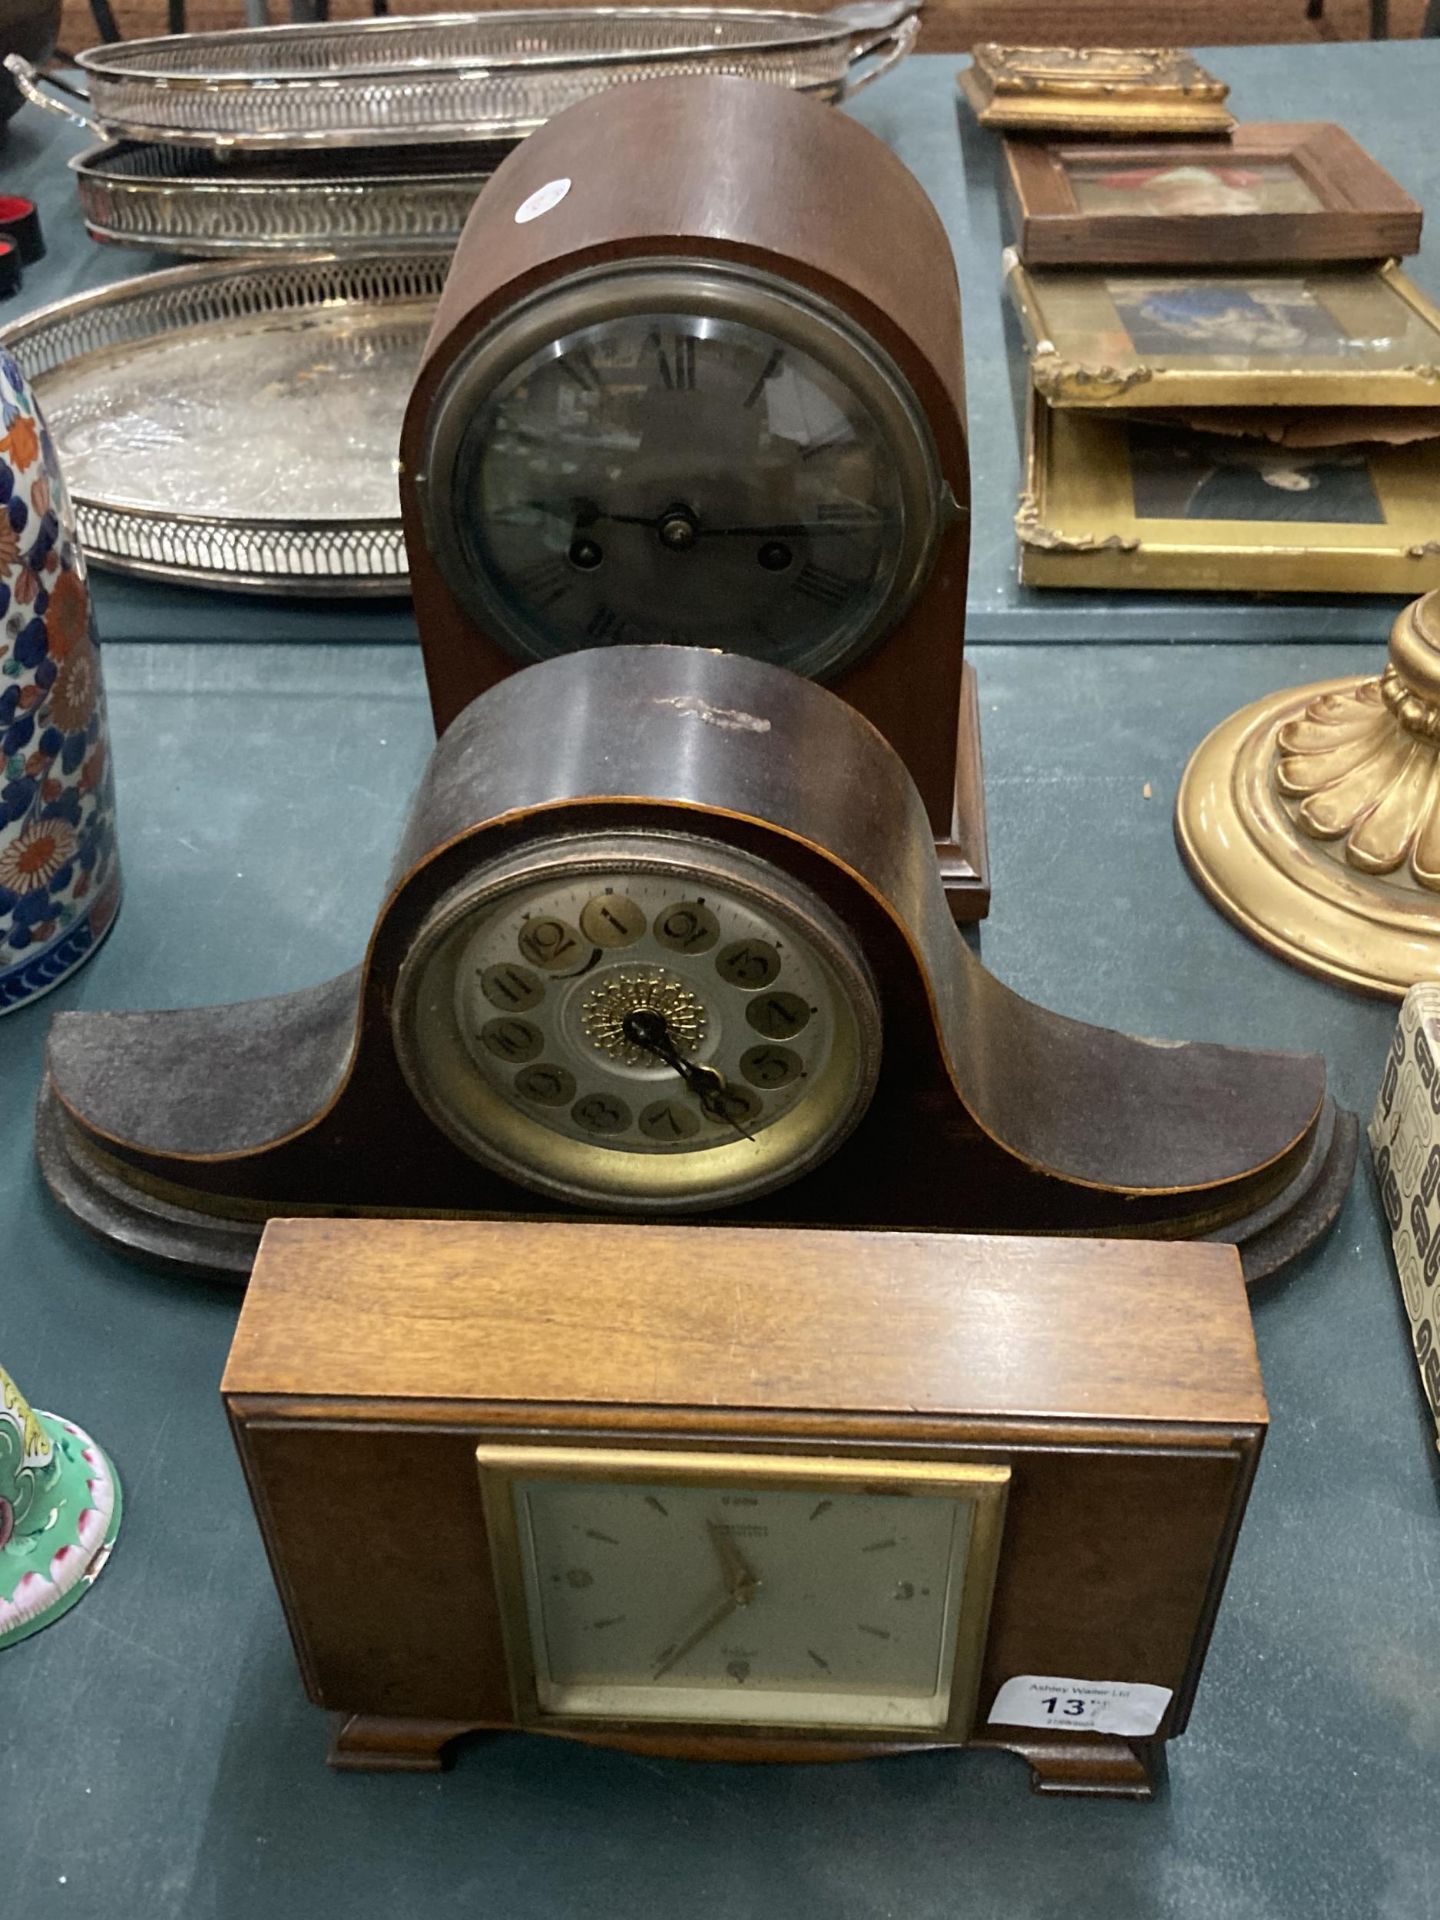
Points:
(1133, 1708)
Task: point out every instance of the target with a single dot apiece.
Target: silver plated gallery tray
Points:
(238, 425)
(447, 77)
(190, 200)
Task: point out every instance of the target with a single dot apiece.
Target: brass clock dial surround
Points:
(479, 1072)
(772, 1595)
(560, 334)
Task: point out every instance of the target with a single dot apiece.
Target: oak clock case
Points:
(689, 956)
(696, 379)
(849, 1493)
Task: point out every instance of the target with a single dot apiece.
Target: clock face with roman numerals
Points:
(658, 1023)
(682, 457)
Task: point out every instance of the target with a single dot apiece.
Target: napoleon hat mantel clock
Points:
(688, 956)
(697, 378)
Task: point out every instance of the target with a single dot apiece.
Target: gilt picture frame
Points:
(1281, 193)
(1330, 337)
(1122, 503)
(1123, 91)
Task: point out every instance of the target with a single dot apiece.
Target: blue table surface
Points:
(158, 1760)
(1384, 93)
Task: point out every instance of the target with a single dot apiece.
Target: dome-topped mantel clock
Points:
(696, 379)
(687, 958)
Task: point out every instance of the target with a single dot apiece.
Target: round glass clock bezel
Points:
(702, 290)
(436, 1061)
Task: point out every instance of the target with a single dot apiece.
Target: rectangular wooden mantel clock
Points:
(746, 1493)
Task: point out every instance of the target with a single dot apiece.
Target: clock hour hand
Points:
(650, 1030)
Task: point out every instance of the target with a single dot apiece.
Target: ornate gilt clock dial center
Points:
(630, 990)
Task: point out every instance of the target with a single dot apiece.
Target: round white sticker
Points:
(541, 201)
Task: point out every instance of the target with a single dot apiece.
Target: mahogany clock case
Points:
(177, 1134)
(1116, 1382)
(736, 173)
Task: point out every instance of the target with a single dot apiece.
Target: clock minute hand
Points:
(707, 1626)
(739, 1575)
(781, 528)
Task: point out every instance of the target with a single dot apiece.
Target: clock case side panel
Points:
(1114, 1566)
(842, 218)
(388, 1597)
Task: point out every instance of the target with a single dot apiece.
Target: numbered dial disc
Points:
(614, 1021)
(682, 456)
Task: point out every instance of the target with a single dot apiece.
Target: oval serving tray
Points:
(192, 201)
(238, 425)
(450, 77)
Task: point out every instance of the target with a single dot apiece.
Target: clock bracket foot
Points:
(1100, 1764)
(385, 1743)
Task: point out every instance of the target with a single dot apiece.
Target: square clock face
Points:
(742, 1590)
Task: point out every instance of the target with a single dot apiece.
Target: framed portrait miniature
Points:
(1116, 501)
(1094, 90)
(1327, 338)
(1280, 194)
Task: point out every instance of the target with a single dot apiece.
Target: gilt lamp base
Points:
(1312, 818)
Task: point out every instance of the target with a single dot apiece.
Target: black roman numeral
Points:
(545, 581)
(768, 372)
(579, 367)
(841, 436)
(604, 624)
(819, 583)
(677, 367)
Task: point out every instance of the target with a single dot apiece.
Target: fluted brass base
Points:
(1313, 817)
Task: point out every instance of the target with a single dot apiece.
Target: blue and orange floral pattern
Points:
(59, 871)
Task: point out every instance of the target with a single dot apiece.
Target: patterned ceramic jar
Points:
(59, 1514)
(59, 871)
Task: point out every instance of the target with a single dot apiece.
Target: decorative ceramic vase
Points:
(59, 871)
(59, 1514)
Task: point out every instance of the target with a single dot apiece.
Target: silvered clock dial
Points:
(761, 1591)
(683, 454)
(639, 1019)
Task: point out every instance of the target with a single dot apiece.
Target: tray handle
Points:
(32, 84)
(885, 31)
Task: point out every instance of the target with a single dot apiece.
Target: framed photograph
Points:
(1327, 338)
(1117, 502)
(1281, 194)
(1094, 90)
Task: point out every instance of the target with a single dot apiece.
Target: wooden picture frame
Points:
(1281, 193)
(1095, 90)
(1080, 524)
(1333, 337)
